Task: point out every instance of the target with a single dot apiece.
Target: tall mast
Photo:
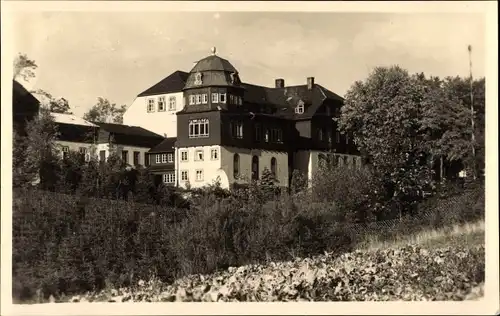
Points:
(473, 137)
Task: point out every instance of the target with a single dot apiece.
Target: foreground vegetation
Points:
(418, 271)
(65, 246)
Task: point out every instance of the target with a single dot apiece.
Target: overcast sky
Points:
(117, 55)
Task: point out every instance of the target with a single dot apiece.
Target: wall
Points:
(211, 168)
(307, 161)
(227, 155)
(158, 122)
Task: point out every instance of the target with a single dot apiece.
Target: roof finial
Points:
(214, 51)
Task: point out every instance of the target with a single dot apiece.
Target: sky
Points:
(116, 55)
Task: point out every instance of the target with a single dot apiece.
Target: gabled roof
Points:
(167, 145)
(173, 83)
(70, 119)
(127, 130)
(23, 100)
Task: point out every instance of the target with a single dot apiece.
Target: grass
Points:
(465, 234)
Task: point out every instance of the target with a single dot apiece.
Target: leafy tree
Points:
(384, 114)
(41, 156)
(56, 105)
(105, 112)
(24, 67)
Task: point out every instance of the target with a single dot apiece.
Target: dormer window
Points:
(299, 109)
(198, 78)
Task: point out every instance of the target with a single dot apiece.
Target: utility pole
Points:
(473, 137)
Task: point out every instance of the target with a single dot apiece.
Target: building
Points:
(132, 143)
(230, 131)
(25, 107)
(75, 134)
(162, 160)
(157, 106)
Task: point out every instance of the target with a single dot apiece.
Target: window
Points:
(276, 135)
(257, 133)
(172, 103)
(170, 157)
(336, 161)
(136, 158)
(345, 161)
(184, 175)
(102, 155)
(337, 137)
(329, 137)
(222, 98)
(231, 99)
(82, 150)
(158, 158)
(346, 138)
(354, 163)
(146, 159)
(214, 154)
(199, 175)
(273, 166)
(240, 100)
(320, 134)
(125, 156)
(204, 98)
(236, 166)
(198, 99)
(191, 99)
(198, 128)
(198, 155)
(161, 104)
(163, 158)
(169, 177)
(215, 98)
(299, 109)
(266, 136)
(255, 168)
(184, 155)
(151, 105)
(237, 129)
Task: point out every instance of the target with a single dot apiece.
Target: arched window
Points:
(236, 166)
(273, 166)
(255, 168)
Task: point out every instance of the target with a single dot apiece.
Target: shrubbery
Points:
(65, 244)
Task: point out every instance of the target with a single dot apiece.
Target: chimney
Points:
(310, 83)
(279, 83)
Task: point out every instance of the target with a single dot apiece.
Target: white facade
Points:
(307, 161)
(65, 146)
(156, 113)
(217, 164)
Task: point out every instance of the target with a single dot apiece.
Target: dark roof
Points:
(215, 63)
(23, 102)
(173, 83)
(127, 130)
(167, 145)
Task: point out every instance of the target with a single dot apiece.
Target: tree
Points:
(384, 115)
(24, 67)
(105, 112)
(41, 159)
(55, 105)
